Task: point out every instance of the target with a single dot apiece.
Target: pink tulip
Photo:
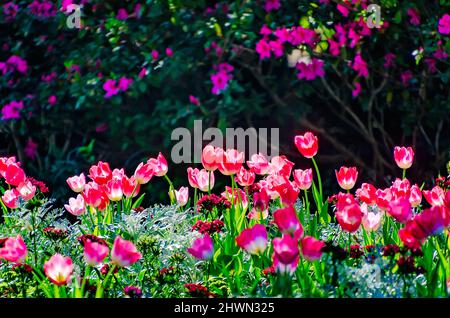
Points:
(93, 194)
(281, 165)
(14, 250)
(205, 180)
(100, 173)
(287, 221)
(401, 188)
(14, 175)
(114, 190)
(288, 192)
(404, 157)
(94, 252)
(311, 248)
(245, 178)
(344, 199)
(307, 144)
(143, 173)
(202, 248)
(58, 269)
(232, 162)
(211, 157)
(400, 210)
(27, 190)
(159, 165)
(371, 221)
(415, 196)
(346, 177)
(283, 268)
(239, 196)
(4, 163)
(253, 240)
(383, 198)
(76, 206)
(258, 164)
(367, 193)
(77, 183)
(303, 178)
(182, 196)
(350, 217)
(435, 196)
(286, 249)
(11, 198)
(124, 253)
(192, 177)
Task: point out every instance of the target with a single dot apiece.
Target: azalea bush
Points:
(271, 231)
(71, 97)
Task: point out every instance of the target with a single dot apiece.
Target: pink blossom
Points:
(277, 48)
(265, 30)
(300, 35)
(263, 49)
(124, 83)
(122, 14)
(12, 110)
(31, 149)
(142, 73)
(343, 10)
(360, 66)
(282, 34)
(414, 17)
(10, 10)
(111, 88)
(310, 71)
(356, 90)
(52, 100)
(444, 24)
(271, 5)
(354, 37)
(169, 52)
(155, 55)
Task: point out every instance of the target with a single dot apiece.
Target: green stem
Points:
(404, 174)
(318, 177)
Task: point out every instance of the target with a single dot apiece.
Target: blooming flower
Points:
(253, 240)
(435, 196)
(12, 110)
(414, 17)
(232, 162)
(202, 248)
(311, 248)
(310, 71)
(14, 250)
(271, 5)
(307, 144)
(346, 177)
(349, 217)
(360, 66)
(245, 177)
(415, 196)
(444, 24)
(159, 165)
(286, 249)
(263, 49)
(143, 173)
(76, 205)
(258, 164)
(95, 252)
(404, 157)
(14, 174)
(280, 165)
(367, 193)
(58, 269)
(400, 210)
(77, 183)
(113, 189)
(100, 173)
(11, 198)
(287, 221)
(371, 221)
(124, 253)
(211, 157)
(27, 190)
(303, 178)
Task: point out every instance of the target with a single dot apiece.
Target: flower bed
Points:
(272, 231)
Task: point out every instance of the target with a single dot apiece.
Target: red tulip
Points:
(404, 157)
(367, 193)
(58, 269)
(245, 178)
(4, 163)
(435, 196)
(400, 210)
(288, 192)
(232, 162)
(14, 175)
(11, 198)
(93, 194)
(100, 173)
(202, 248)
(281, 165)
(77, 183)
(311, 248)
(284, 268)
(211, 157)
(14, 250)
(286, 249)
(434, 220)
(287, 221)
(124, 253)
(415, 196)
(114, 190)
(76, 205)
(383, 198)
(346, 177)
(344, 199)
(258, 164)
(144, 172)
(303, 178)
(95, 252)
(159, 165)
(27, 190)
(407, 237)
(307, 144)
(401, 188)
(350, 217)
(253, 240)
(130, 186)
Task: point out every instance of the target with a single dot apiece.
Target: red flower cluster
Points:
(208, 202)
(198, 290)
(212, 227)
